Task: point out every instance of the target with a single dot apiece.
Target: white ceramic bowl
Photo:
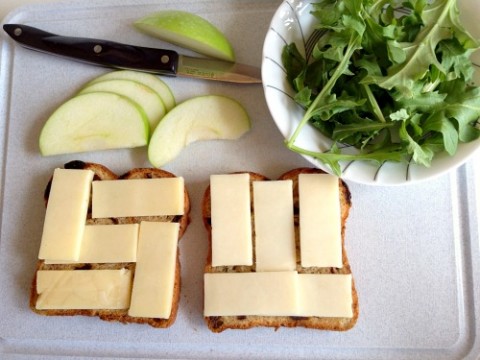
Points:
(293, 22)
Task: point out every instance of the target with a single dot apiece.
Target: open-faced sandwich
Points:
(109, 246)
(277, 252)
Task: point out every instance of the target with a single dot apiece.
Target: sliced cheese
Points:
(231, 220)
(138, 197)
(325, 295)
(278, 294)
(154, 281)
(261, 293)
(107, 244)
(66, 214)
(274, 225)
(83, 289)
(320, 221)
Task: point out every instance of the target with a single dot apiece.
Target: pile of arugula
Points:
(395, 85)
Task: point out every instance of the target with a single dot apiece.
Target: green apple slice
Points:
(189, 31)
(141, 94)
(200, 118)
(150, 80)
(94, 121)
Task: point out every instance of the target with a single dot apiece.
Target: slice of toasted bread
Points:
(103, 173)
(220, 323)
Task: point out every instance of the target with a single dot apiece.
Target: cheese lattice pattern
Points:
(277, 276)
(112, 244)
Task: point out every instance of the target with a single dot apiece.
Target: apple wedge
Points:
(94, 121)
(200, 118)
(150, 80)
(189, 31)
(141, 94)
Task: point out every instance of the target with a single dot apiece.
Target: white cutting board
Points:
(414, 250)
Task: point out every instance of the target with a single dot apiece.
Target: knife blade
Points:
(124, 56)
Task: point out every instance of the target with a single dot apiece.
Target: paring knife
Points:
(122, 56)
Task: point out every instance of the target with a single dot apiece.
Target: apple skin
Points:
(189, 31)
(94, 121)
(142, 95)
(200, 118)
(150, 80)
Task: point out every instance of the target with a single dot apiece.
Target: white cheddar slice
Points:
(325, 295)
(260, 293)
(278, 294)
(83, 289)
(107, 244)
(138, 197)
(154, 280)
(320, 221)
(274, 225)
(231, 220)
(66, 214)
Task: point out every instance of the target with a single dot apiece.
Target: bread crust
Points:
(103, 173)
(218, 324)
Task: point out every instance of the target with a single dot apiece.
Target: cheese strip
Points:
(278, 294)
(154, 281)
(263, 293)
(320, 221)
(66, 214)
(325, 295)
(83, 289)
(107, 244)
(231, 220)
(274, 225)
(138, 197)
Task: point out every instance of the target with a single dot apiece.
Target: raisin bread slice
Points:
(103, 173)
(220, 323)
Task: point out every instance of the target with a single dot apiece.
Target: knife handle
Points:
(99, 52)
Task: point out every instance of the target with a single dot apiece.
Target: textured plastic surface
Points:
(414, 250)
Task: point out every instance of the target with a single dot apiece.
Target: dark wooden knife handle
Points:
(96, 51)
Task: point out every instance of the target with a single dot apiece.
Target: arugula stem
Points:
(378, 6)
(374, 104)
(342, 65)
(374, 156)
(431, 86)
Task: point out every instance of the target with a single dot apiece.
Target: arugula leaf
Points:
(333, 106)
(333, 157)
(293, 62)
(420, 54)
(439, 123)
(342, 132)
(463, 105)
(456, 58)
(421, 154)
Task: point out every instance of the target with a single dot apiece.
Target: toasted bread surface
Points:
(103, 173)
(220, 323)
